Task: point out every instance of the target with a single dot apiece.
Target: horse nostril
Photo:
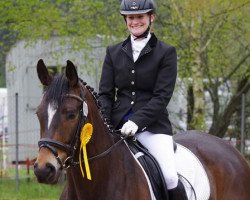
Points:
(45, 173)
(35, 165)
(50, 167)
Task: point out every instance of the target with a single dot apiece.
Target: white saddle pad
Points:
(190, 167)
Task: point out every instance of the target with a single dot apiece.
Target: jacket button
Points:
(133, 93)
(133, 71)
(132, 102)
(132, 82)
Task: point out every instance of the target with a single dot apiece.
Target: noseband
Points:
(71, 148)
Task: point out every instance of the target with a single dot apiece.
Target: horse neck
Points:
(102, 138)
(100, 141)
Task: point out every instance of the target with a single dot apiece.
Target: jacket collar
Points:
(127, 48)
(152, 42)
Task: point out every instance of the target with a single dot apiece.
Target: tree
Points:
(202, 31)
(234, 61)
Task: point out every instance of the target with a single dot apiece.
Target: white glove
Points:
(129, 128)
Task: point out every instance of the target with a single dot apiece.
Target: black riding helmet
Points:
(137, 7)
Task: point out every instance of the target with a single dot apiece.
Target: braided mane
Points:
(98, 104)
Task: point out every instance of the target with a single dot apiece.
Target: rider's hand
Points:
(129, 128)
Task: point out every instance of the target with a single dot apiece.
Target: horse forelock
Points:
(56, 90)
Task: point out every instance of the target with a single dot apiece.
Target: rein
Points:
(109, 149)
(71, 148)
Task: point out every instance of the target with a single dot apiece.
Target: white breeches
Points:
(161, 147)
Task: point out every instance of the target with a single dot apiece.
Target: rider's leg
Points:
(161, 147)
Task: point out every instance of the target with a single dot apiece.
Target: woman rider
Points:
(137, 83)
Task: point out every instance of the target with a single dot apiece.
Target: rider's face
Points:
(138, 23)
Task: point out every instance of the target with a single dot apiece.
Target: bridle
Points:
(71, 148)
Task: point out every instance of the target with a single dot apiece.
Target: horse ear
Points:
(71, 74)
(43, 73)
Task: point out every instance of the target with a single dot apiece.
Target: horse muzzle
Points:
(46, 168)
(46, 174)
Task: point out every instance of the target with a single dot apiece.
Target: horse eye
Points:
(70, 115)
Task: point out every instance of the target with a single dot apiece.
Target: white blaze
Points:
(51, 112)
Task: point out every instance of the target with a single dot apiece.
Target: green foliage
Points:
(219, 28)
(45, 18)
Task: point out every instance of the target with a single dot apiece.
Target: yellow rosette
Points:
(85, 136)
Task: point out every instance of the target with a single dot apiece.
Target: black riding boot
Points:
(178, 193)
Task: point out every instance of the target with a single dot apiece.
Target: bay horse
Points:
(68, 104)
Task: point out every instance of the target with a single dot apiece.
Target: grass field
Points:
(28, 190)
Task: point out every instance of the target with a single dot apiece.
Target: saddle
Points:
(151, 167)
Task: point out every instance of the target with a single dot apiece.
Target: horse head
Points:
(61, 113)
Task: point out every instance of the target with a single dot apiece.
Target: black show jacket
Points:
(144, 87)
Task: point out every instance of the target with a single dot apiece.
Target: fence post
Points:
(17, 150)
(242, 126)
(28, 169)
